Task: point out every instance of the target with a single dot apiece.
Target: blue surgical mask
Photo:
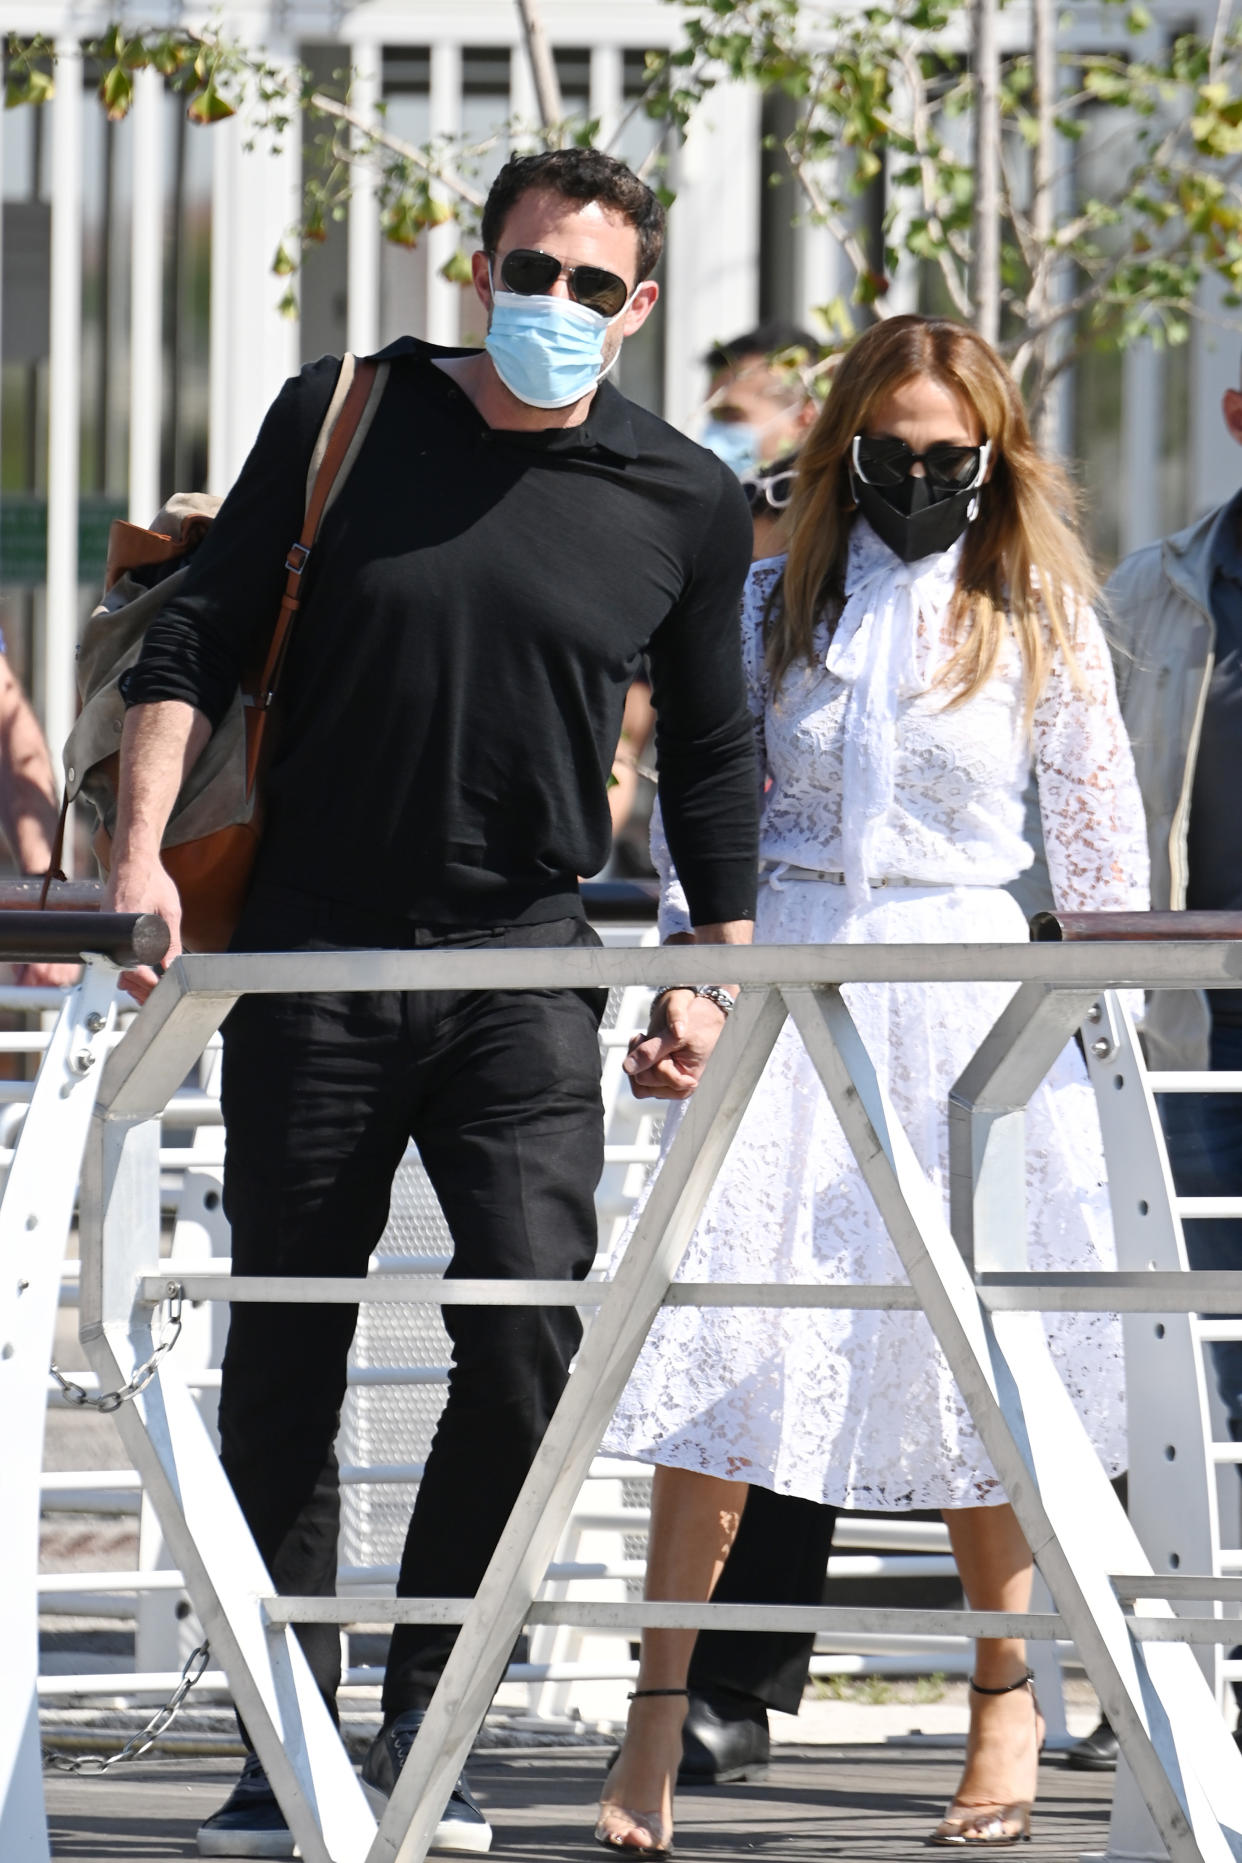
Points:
(547, 351)
(734, 441)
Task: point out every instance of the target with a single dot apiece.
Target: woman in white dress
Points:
(928, 635)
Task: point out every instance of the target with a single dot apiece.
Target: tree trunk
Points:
(542, 65)
(987, 169)
(1042, 293)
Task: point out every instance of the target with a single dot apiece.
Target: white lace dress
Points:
(868, 773)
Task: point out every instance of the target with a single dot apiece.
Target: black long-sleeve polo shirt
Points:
(474, 610)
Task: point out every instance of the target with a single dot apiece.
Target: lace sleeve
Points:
(1094, 825)
(674, 911)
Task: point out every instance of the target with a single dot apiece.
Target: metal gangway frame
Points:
(970, 1278)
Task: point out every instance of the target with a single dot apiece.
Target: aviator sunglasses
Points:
(532, 274)
(882, 459)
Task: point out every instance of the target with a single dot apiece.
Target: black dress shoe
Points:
(250, 1823)
(724, 1739)
(462, 1830)
(1096, 1753)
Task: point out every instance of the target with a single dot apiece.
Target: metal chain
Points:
(139, 1380)
(137, 1745)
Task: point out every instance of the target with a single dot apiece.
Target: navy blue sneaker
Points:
(463, 1830)
(250, 1823)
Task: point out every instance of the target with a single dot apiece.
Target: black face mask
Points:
(915, 518)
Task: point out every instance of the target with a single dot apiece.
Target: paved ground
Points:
(865, 1804)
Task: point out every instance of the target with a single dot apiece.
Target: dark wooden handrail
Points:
(18, 895)
(29, 937)
(1133, 927)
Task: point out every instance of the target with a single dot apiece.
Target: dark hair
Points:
(578, 175)
(768, 339)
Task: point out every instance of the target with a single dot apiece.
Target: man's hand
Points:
(667, 1062)
(145, 887)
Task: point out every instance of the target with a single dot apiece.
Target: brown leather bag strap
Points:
(54, 865)
(338, 458)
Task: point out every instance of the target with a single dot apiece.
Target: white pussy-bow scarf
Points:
(876, 651)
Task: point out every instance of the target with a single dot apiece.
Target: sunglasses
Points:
(769, 491)
(532, 274)
(884, 460)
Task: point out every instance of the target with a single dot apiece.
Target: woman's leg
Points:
(693, 1522)
(1002, 1750)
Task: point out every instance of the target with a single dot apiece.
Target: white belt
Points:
(776, 872)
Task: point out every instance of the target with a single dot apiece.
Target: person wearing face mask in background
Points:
(514, 538)
(925, 642)
(760, 404)
(758, 407)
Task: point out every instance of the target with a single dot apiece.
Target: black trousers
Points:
(500, 1091)
(780, 1556)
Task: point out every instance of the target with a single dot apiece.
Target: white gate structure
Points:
(397, 1378)
(975, 1289)
(1139, 1622)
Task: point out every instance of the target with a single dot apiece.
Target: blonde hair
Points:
(1023, 566)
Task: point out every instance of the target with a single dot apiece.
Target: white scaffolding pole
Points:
(146, 349)
(362, 327)
(65, 372)
(442, 296)
(607, 90)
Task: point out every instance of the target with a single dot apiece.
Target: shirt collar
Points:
(1227, 541)
(608, 425)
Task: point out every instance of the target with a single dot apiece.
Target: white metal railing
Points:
(1139, 1658)
(1151, 1687)
(562, 1683)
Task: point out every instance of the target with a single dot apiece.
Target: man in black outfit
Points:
(513, 538)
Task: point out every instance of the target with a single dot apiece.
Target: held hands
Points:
(666, 1062)
(134, 887)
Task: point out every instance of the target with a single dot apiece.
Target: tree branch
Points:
(920, 135)
(841, 232)
(542, 66)
(384, 139)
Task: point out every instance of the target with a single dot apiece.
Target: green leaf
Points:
(209, 107)
(400, 222)
(457, 269)
(31, 86)
(117, 91)
(1108, 86)
(835, 317)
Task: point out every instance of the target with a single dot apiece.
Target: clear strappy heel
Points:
(619, 1824)
(995, 1823)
